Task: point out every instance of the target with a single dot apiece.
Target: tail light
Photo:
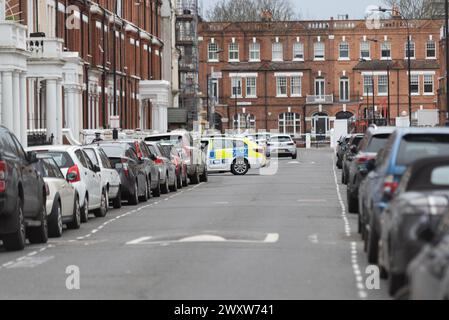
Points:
(73, 174)
(125, 167)
(363, 159)
(390, 185)
(47, 189)
(2, 176)
(158, 161)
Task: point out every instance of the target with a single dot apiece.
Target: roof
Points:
(382, 65)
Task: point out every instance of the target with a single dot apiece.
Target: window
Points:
(382, 85)
(277, 54)
(344, 89)
(92, 156)
(431, 50)
(367, 84)
(281, 86)
(243, 120)
(251, 87)
(386, 50)
(319, 51)
(236, 84)
(412, 50)
(254, 51)
(298, 51)
(289, 123)
(233, 51)
(344, 50)
(212, 52)
(428, 84)
(365, 50)
(414, 84)
(295, 86)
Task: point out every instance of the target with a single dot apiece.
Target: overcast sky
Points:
(324, 9)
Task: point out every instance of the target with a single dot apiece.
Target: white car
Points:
(282, 144)
(82, 174)
(110, 179)
(62, 199)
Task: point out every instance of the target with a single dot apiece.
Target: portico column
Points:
(23, 110)
(59, 120)
(7, 100)
(51, 99)
(16, 105)
(155, 116)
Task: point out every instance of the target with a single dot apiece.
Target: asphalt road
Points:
(282, 236)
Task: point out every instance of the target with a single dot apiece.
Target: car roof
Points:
(61, 148)
(381, 130)
(415, 130)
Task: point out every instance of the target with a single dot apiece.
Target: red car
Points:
(172, 153)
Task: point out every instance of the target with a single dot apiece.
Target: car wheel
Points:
(85, 210)
(372, 245)
(145, 196)
(117, 202)
(395, 282)
(76, 220)
(39, 234)
(204, 177)
(164, 186)
(179, 181)
(295, 156)
(343, 178)
(16, 241)
(103, 210)
(174, 187)
(55, 222)
(353, 206)
(157, 190)
(133, 198)
(195, 178)
(185, 181)
(240, 169)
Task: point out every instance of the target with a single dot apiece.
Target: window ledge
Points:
(385, 58)
(382, 94)
(431, 58)
(429, 94)
(213, 61)
(367, 59)
(253, 60)
(319, 59)
(233, 60)
(282, 96)
(296, 96)
(344, 59)
(302, 60)
(251, 97)
(277, 60)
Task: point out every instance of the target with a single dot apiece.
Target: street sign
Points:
(217, 75)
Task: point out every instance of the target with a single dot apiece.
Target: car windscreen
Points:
(62, 159)
(48, 169)
(154, 150)
(281, 139)
(175, 140)
(377, 142)
(113, 151)
(166, 150)
(356, 140)
(414, 147)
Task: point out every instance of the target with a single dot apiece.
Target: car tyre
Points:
(39, 234)
(76, 219)
(185, 181)
(204, 177)
(164, 187)
(240, 169)
(16, 241)
(103, 210)
(85, 210)
(117, 202)
(145, 196)
(157, 190)
(195, 178)
(174, 187)
(55, 225)
(179, 181)
(353, 206)
(133, 198)
(395, 282)
(372, 246)
(295, 156)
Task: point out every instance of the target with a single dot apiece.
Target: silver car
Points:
(166, 168)
(63, 205)
(282, 144)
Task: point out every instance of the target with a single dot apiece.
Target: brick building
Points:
(298, 77)
(90, 60)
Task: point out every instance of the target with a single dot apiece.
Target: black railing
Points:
(39, 138)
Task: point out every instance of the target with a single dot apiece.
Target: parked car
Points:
(349, 155)
(22, 195)
(373, 141)
(282, 144)
(342, 146)
(62, 199)
(82, 174)
(428, 273)
(191, 150)
(234, 155)
(176, 159)
(134, 181)
(420, 201)
(167, 170)
(110, 180)
(405, 146)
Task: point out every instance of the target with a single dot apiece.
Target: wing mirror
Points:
(353, 149)
(96, 168)
(32, 157)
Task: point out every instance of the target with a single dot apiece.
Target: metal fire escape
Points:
(187, 16)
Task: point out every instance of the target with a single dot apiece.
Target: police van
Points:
(236, 155)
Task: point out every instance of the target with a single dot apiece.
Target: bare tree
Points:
(250, 10)
(417, 9)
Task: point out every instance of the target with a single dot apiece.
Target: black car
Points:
(422, 198)
(428, 273)
(22, 195)
(132, 170)
(349, 153)
(374, 140)
(342, 146)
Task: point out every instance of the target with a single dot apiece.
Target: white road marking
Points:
(30, 262)
(312, 200)
(138, 240)
(313, 238)
(203, 238)
(272, 238)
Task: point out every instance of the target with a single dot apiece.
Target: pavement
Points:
(282, 236)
